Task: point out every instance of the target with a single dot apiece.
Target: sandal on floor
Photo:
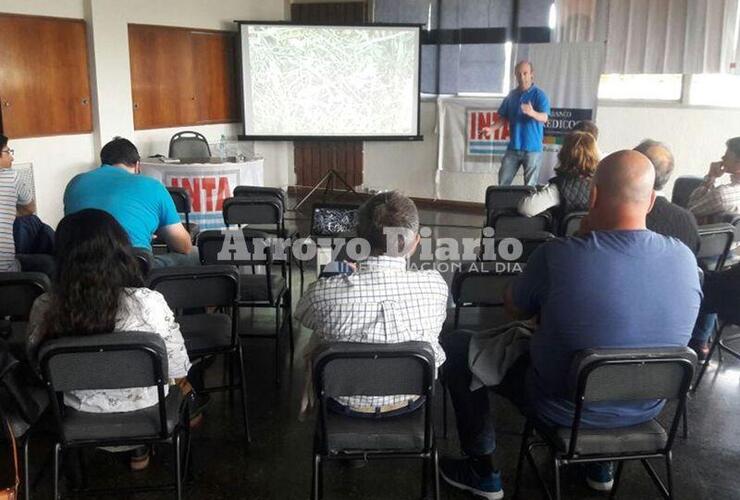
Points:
(140, 458)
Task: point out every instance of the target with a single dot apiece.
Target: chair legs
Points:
(435, 472)
(522, 454)
(26, 469)
(617, 476)
(243, 386)
(713, 347)
(556, 470)
(178, 465)
(56, 465)
(317, 480)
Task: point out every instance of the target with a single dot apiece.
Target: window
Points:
(715, 90)
(641, 87)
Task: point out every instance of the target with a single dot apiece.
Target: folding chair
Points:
(115, 361)
(683, 187)
(616, 375)
(571, 223)
(512, 223)
(347, 369)
(189, 144)
(504, 198)
(715, 242)
(256, 290)
(18, 291)
(183, 205)
(207, 334)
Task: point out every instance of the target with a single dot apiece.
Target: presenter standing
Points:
(525, 109)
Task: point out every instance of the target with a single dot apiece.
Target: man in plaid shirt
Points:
(709, 200)
(382, 301)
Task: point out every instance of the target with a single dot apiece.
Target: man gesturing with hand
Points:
(526, 110)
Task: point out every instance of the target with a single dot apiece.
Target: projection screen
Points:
(321, 81)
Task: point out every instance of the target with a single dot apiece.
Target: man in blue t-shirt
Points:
(604, 288)
(140, 204)
(526, 109)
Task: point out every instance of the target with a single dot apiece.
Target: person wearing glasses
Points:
(16, 199)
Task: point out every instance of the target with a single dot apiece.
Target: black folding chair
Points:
(18, 291)
(183, 205)
(715, 242)
(189, 144)
(115, 361)
(616, 375)
(256, 290)
(503, 251)
(683, 187)
(207, 334)
(512, 223)
(348, 369)
(477, 288)
(571, 223)
(504, 198)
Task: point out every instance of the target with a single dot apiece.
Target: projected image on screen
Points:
(330, 80)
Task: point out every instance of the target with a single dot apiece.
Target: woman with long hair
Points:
(98, 289)
(569, 190)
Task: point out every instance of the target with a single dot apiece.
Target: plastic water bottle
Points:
(222, 147)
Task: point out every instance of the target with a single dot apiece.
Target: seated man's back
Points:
(140, 204)
(607, 289)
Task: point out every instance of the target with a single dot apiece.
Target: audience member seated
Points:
(140, 204)
(721, 297)
(381, 302)
(604, 289)
(98, 289)
(16, 198)
(568, 190)
(667, 218)
(587, 126)
(711, 200)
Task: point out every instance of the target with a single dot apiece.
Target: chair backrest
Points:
(571, 223)
(256, 211)
(181, 198)
(333, 219)
(480, 288)
(631, 375)
(198, 286)
(715, 242)
(504, 198)
(215, 247)
(110, 361)
(189, 144)
(18, 291)
(733, 220)
(260, 191)
(509, 222)
(529, 240)
(145, 260)
(682, 189)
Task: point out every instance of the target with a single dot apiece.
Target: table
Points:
(208, 184)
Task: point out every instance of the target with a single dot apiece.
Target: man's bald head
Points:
(661, 158)
(623, 183)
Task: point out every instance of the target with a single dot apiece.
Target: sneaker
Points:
(460, 474)
(701, 349)
(600, 475)
(140, 458)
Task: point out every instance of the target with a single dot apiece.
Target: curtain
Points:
(671, 36)
(581, 20)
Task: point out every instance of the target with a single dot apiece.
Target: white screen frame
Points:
(242, 70)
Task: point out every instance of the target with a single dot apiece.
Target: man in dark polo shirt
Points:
(605, 288)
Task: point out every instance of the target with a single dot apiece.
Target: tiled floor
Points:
(277, 465)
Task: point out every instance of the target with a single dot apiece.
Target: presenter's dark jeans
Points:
(531, 162)
(472, 411)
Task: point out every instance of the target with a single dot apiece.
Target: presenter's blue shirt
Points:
(140, 204)
(609, 289)
(526, 132)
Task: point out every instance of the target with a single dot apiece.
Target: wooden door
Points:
(313, 159)
(44, 80)
(215, 79)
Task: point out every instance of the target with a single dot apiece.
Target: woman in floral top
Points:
(98, 289)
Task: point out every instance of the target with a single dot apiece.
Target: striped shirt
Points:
(381, 303)
(13, 192)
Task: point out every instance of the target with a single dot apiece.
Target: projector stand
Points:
(328, 178)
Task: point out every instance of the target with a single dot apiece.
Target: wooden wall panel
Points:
(162, 77)
(44, 80)
(215, 65)
(314, 159)
(181, 76)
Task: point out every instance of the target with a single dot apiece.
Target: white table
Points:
(209, 184)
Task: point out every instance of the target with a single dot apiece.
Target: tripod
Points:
(328, 178)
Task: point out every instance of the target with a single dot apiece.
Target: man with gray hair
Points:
(668, 218)
(382, 301)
